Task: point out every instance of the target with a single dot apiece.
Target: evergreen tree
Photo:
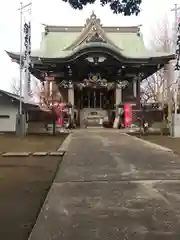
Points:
(125, 7)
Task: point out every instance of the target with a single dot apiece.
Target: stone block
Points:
(56, 153)
(40, 154)
(16, 154)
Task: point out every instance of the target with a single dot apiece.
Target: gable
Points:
(93, 31)
(95, 38)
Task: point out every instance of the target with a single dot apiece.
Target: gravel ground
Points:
(31, 143)
(165, 141)
(24, 184)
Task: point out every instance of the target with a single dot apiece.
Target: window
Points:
(4, 116)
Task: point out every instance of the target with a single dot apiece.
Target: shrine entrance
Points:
(95, 92)
(94, 98)
(94, 105)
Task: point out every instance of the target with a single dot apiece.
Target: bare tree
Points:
(152, 88)
(35, 88)
(43, 96)
(155, 88)
(158, 87)
(15, 88)
(162, 36)
(49, 98)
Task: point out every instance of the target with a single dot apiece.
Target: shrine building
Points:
(93, 67)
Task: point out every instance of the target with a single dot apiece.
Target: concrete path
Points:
(112, 187)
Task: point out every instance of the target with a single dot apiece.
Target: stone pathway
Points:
(111, 186)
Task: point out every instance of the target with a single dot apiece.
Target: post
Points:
(118, 100)
(176, 9)
(94, 99)
(21, 60)
(21, 116)
(118, 97)
(135, 88)
(162, 107)
(138, 96)
(71, 99)
(100, 100)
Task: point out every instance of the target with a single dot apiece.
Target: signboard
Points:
(127, 115)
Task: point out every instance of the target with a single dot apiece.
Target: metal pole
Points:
(22, 9)
(21, 60)
(176, 73)
(21, 120)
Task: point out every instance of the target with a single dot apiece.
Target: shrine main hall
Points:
(94, 68)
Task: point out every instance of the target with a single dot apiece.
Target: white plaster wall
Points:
(8, 124)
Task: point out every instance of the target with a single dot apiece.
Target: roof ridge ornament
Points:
(93, 16)
(93, 19)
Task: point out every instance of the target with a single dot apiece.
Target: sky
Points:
(56, 12)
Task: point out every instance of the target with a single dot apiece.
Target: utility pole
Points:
(21, 118)
(176, 72)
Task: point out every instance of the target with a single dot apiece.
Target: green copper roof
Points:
(55, 42)
(125, 52)
(63, 42)
(130, 45)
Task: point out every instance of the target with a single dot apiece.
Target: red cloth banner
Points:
(127, 115)
(60, 113)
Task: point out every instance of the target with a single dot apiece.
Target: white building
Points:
(9, 107)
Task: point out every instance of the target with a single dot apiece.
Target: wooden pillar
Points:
(71, 94)
(47, 88)
(118, 97)
(138, 97)
(71, 99)
(135, 88)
